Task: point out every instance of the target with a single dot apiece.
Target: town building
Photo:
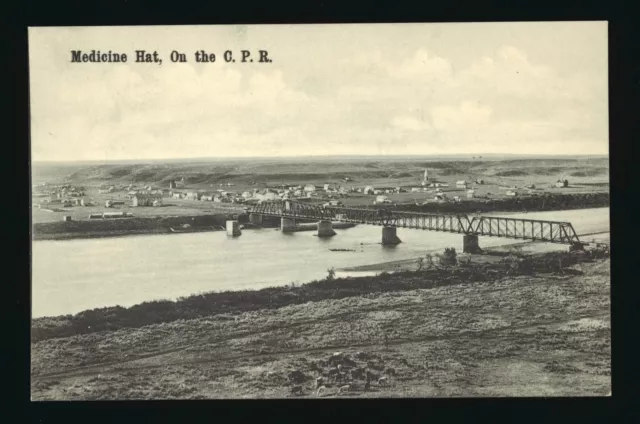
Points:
(146, 199)
(309, 188)
(461, 184)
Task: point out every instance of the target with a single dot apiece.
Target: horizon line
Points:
(470, 155)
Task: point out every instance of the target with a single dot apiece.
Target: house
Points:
(559, 184)
(130, 195)
(479, 181)
(369, 190)
(146, 199)
(382, 199)
(461, 184)
(207, 198)
(511, 193)
(172, 184)
(247, 195)
(439, 197)
(267, 196)
(309, 188)
(471, 194)
(193, 195)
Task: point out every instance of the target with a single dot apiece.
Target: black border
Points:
(624, 89)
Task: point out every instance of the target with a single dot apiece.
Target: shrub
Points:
(449, 257)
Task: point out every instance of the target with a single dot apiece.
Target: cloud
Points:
(379, 101)
(409, 123)
(421, 66)
(468, 116)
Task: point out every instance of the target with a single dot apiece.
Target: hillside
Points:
(359, 171)
(519, 335)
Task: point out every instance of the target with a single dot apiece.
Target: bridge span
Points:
(470, 227)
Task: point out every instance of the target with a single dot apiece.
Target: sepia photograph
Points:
(407, 210)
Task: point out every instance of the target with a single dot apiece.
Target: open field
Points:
(171, 207)
(585, 175)
(541, 333)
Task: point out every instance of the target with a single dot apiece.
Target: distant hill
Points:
(307, 169)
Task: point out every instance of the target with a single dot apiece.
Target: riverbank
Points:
(493, 264)
(538, 203)
(78, 229)
(117, 227)
(541, 330)
(526, 247)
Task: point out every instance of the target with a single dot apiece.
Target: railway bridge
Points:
(469, 227)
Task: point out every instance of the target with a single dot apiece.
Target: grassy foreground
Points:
(201, 305)
(538, 327)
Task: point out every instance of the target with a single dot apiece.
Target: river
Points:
(74, 275)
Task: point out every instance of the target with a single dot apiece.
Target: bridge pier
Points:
(389, 236)
(325, 229)
(233, 229)
(287, 225)
(255, 218)
(470, 244)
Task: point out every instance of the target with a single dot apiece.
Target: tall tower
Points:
(425, 178)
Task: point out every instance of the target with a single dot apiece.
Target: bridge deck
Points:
(486, 226)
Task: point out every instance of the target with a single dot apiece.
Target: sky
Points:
(375, 89)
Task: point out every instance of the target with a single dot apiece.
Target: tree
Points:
(331, 274)
(429, 261)
(450, 257)
(420, 264)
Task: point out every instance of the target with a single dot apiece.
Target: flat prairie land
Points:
(585, 175)
(531, 335)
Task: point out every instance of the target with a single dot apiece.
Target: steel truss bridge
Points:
(485, 226)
